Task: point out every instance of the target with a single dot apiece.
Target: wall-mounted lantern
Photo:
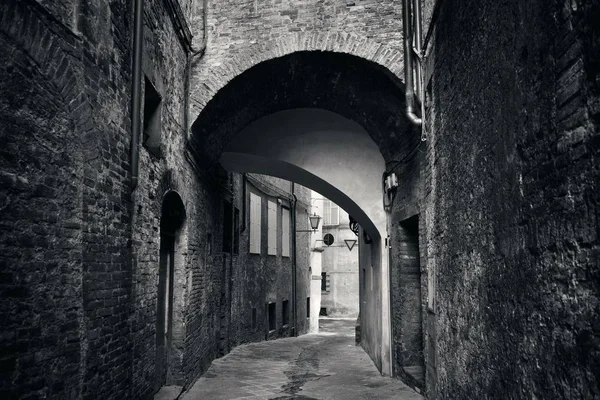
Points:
(314, 221)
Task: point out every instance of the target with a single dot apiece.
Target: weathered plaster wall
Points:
(512, 215)
(341, 266)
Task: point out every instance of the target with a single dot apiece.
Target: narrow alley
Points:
(323, 366)
(188, 187)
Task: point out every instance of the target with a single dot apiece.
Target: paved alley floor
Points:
(319, 366)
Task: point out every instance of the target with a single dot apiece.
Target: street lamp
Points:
(314, 221)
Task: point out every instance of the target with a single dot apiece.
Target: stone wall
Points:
(512, 209)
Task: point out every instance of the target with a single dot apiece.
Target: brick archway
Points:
(208, 80)
(354, 78)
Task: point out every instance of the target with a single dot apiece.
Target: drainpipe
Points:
(295, 200)
(192, 55)
(232, 249)
(136, 98)
(409, 79)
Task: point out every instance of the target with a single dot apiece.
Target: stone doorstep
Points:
(168, 393)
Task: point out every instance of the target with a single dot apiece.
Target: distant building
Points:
(264, 264)
(339, 268)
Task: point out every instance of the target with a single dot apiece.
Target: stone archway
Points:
(209, 81)
(354, 88)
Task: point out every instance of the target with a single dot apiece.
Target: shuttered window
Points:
(255, 223)
(272, 223)
(285, 232)
(331, 213)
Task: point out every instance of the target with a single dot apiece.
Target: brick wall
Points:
(512, 223)
(41, 225)
(77, 294)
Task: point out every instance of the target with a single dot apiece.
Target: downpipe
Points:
(410, 70)
(295, 316)
(193, 55)
(136, 96)
(136, 103)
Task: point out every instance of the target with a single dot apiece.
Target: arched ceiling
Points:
(353, 87)
(318, 149)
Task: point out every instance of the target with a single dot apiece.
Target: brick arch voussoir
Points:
(338, 42)
(170, 181)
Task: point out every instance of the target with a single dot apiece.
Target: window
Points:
(285, 312)
(285, 232)
(255, 223)
(323, 311)
(308, 307)
(227, 228)
(331, 213)
(323, 281)
(254, 318)
(236, 230)
(271, 313)
(152, 122)
(272, 225)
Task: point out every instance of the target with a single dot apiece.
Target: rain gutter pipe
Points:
(136, 102)
(193, 54)
(136, 97)
(409, 54)
(295, 200)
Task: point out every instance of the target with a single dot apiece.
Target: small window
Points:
(285, 232)
(236, 230)
(152, 118)
(254, 318)
(227, 222)
(227, 228)
(323, 312)
(255, 223)
(323, 281)
(285, 312)
(331, 213)
(308, 307)
(271, 313)
(272, 225)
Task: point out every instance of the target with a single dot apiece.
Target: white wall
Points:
(336, 157)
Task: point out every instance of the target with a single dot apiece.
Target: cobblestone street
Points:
(317, 366)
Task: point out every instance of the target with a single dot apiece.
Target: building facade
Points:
(340, 271)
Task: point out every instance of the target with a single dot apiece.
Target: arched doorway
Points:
(301, 117)
(171, 222)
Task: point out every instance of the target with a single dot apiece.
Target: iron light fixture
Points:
(314, 221)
